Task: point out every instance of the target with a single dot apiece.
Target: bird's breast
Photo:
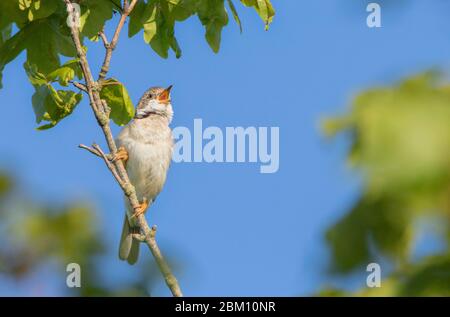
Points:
(149, 156)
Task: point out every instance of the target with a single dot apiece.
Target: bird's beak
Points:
(164, 97)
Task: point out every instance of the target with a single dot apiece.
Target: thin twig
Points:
(87, 148)
(111, 46)
(171, 281)
(100, 109)
(79, 86)
(108, 163)
(104, 38)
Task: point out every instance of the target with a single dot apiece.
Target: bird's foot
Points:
(121, 154)
(141, 208)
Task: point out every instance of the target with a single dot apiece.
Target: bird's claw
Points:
(121, 154)
(140, 209)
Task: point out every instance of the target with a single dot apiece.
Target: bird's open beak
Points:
(164, 97)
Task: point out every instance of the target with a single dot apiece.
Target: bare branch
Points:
(104, 39)
(87, 148)
(101, 112)
(171, 281)
(108, 163)
(79, 85)
(109, 48)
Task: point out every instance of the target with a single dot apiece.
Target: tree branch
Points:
(100, 109)
(89, 149)
(79, 85)
(127, 8)
(108, 163)
(104, 39)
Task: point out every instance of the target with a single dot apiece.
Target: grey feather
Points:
(126, 240)
(134, 252)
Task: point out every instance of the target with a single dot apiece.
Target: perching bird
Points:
(145, 146)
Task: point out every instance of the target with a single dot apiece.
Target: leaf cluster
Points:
(40, 29)
(400, 141)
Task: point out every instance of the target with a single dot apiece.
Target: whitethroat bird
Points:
(145, 146)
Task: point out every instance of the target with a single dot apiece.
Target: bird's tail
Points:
(128, 247)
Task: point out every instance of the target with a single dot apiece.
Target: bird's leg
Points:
(141, 208)
(121, 154)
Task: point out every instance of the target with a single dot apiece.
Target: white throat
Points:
(153, 107)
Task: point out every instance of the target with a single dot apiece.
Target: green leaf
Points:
(137, 16)
(235, 14)
(158, 18)
(46, 126)
(24, 4)
(39, 103)
(38, 39)
(159, 29)
(34, 76)
(160, 41)
(384, 122)
(150, 25)
(400, 138)
(11, 48)
(53, 105)
(43, 40)
(264, 9)
(63, 74)
(66, 73)
(180, 10)
(37, 9)
(383, 222)
(10, 13)
(175, 47)
(5, 34)
(116, 96)
(94, 14)
(214, 17)
(49, 104)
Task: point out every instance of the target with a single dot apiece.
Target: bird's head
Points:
(155, 101)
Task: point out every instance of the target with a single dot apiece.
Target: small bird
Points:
(145, 146)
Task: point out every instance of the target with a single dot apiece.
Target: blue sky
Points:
(237, 232)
